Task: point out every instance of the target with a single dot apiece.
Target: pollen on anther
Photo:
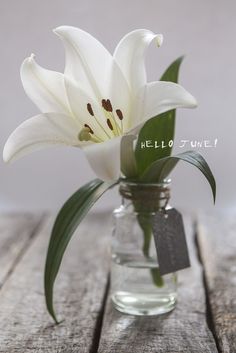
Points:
(90, 109)
(90, 130)
(106, 104)
(119, 114)
(109, 106)
(109, 124)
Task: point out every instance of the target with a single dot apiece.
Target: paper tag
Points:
(170, 241)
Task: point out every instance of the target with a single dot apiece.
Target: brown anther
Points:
(109, 124)
(106, 104)
(90, 109)
(119, 114)
(90, 130)
(109, 106)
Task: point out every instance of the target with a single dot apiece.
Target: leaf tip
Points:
(181, 58)
(53, 315)
(214, 194)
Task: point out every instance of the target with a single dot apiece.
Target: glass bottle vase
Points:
(136, 285)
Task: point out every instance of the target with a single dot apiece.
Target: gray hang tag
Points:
(170, 241)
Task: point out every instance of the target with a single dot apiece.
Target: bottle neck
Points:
(146, 197)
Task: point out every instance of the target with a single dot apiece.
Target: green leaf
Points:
(156, 277)
(160, 128)
(172, 72)
(68, 219)
(161, 168)
(145, 222)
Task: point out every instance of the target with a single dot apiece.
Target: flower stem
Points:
(144, 222)
(146, 226)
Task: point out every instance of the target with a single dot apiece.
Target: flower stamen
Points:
(84, 134)
(91, 112)
(87, 134)
(90, 109)
(90, 130)
(110, 124)
(119, 114)
(120, 117)
(112, 121)
(107, 106)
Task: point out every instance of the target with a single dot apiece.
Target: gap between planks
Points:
(217, 247)
(15, 239)
(209, 316)
(80, 294)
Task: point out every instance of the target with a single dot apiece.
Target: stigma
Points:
(84, 134)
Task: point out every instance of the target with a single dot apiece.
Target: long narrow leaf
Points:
(68, 219)
(161, 168)
(155, 131)
(159, 128)
(172, 72)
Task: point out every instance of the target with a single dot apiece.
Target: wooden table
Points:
(204, 320)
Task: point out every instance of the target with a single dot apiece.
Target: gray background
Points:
(203, 30)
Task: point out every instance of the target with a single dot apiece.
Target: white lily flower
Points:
(99, 99)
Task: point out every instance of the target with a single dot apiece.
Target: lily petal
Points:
(38, 132)
(156, 98)
(94, 69)
(127, 156)
(44, 87)
(104, 158)
(130, 55)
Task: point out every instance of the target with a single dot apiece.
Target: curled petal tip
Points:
(28, 62)
(32, 56)
(194, 102)
(29, 59)
(6, 160)
(60, 30)
(55, 30)
(6, 155)
(159, 40)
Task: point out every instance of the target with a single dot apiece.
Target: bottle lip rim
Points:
(165, 183)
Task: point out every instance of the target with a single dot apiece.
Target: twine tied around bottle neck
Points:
(146, 197)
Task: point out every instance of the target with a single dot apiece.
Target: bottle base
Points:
(143, 304)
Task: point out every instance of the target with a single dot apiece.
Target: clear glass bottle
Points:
(136, 285)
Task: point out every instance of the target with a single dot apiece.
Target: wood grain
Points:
(184, 330)
(217, 245)
(25, 325)
(81, 289)
(16, 233)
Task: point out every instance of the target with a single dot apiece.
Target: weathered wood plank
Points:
(184, 330)
(25, 325)
(217, 246)
(16, 233)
